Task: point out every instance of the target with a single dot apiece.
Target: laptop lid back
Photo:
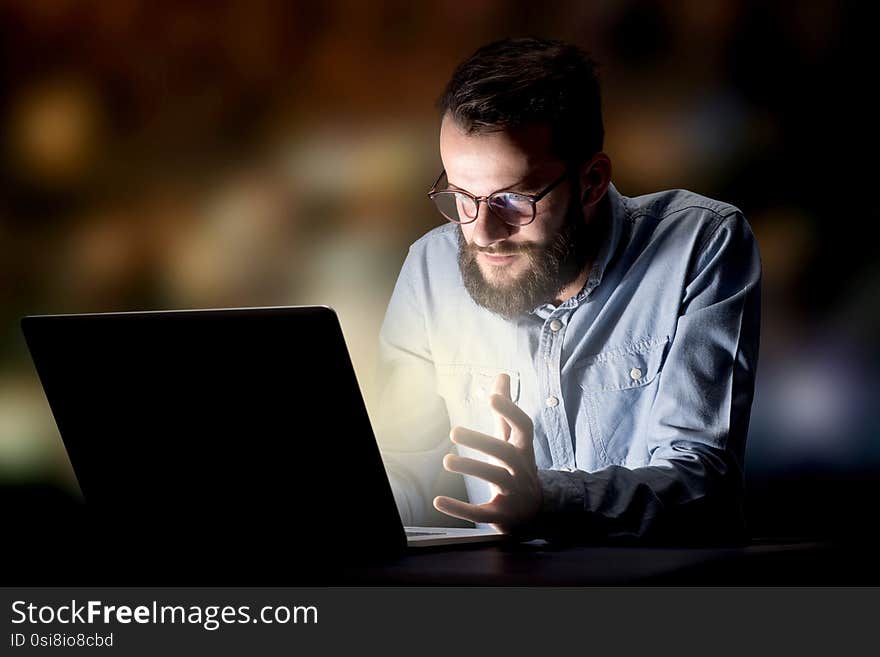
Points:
(238, 428)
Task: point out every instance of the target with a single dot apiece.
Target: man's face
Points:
(512, 269)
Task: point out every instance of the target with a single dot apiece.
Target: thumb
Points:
(502, 387)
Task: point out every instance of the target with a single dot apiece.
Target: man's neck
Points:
(575, 286)
(600, 223)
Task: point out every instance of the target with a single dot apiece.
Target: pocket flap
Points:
(473, 384)
(631, 366)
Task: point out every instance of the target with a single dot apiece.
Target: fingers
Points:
(502, 387)
(503, 451)
(494, 474)
(465, 510)
(515, 417)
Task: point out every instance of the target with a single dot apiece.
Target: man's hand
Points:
(511, 471)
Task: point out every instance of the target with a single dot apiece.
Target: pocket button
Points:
(635, 374)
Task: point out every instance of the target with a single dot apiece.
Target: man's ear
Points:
(595, 176)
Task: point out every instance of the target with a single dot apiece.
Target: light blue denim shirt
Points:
(639, 387)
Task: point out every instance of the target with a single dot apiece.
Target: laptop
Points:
(243, 428)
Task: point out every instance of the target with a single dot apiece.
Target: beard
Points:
(550, 267)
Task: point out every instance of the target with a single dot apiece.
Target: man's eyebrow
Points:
(521, 185)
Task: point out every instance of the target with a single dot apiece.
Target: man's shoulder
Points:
(436, 250)
(432, 260)
(430, 283)
(668, 203)
(683, 216)
(439, 239)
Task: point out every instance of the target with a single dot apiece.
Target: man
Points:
(590, 356)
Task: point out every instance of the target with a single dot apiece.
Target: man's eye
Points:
(465, 205)
(514, 202)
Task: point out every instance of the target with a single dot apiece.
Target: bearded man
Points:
(581, 361)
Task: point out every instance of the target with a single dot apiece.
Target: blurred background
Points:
(181, 155)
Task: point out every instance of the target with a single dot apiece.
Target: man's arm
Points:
(697, 430)
(412, 425)
(693, 483)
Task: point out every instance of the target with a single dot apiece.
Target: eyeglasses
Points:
(512, 208)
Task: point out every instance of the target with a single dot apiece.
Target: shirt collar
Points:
(612, 236)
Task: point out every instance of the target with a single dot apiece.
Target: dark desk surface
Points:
(55, 549)
(530, 564)
(539, 564)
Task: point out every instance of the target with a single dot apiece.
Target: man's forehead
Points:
(501, 158)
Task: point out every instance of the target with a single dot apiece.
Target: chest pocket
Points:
(617, 391)
(472, 384)
(466, 390)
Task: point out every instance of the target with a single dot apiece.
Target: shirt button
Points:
(552, 401)
(635, 374)
(555, 325)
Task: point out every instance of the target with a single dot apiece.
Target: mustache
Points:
(503, 250)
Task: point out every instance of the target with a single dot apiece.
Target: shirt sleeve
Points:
(412, 425)
(693, 483)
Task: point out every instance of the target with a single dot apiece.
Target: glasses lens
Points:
(456, 207)
(515, 209)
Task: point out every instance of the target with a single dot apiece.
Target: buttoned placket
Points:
(559, 438)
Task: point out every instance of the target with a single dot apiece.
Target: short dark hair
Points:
(517, 82)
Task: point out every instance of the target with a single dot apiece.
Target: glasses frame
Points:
(533, 198)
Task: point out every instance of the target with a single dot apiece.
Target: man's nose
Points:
(488, 228)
